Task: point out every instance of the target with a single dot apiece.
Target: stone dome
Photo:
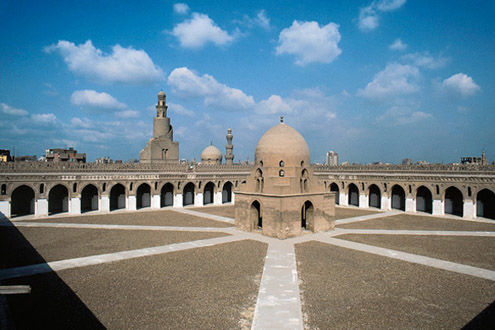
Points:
(211, 154)
(282, 143)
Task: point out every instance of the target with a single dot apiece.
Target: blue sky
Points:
(375, 80)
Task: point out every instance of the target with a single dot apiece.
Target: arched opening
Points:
(22, 201)
(259, 179)
(227, 193)
(208, 193)
(398, 198)
(167, 195)
(375, 196)
(58, 199)
(304, 180)
(188, 194)
(117, 197)
(255, 211)
(424, 200)
(334, 187)
(307, 215)
(143, 196)
(453, 201)
(89, 198)
(485, 204)
(353, 195)
(4, 189)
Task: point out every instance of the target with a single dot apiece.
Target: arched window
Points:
(4, 189)
(281, 173)
(281, 164)
(42, 188)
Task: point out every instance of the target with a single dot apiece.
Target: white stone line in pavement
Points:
(366, 217)
(413, 258)
(104, 226)
(205, 215)
(279, 304)
(111, 257)
(343, 231)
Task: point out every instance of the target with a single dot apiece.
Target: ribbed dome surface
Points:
(282, 143)
(211, 153)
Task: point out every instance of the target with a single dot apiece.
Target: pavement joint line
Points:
(205, 215)
(417, 232)
(413, 258)
(112, 257)
(279, 304)
(111, 226)
(366, 217)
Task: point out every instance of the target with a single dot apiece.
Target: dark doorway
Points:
(334, 187)
(454, 201)
(375, 198)
(398, 198)
(208, 193)
(485, 204)
(22, 201)
(353, 195)
(424, 200)
(89, 198)
(117, 197)
(58, 199)
(256, 218)
(188, 194)
(306, 215)
(227, 193)
(167, 195)
(143, 196)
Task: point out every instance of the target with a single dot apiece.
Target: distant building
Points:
(422, 162)
(332, 159)
(26, 158)
(475, 160)
(407, 161)
(5, 156)
(104, 160)
(64, 155)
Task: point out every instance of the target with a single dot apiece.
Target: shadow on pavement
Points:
(51, 303)
(484, 320)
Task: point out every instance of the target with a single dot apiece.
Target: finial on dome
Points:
(281, 119)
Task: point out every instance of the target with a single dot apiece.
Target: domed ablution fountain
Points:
(281, 198)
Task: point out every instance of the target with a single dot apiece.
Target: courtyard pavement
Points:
(190, 268)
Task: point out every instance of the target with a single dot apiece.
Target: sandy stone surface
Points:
(207, 288)
(26, 246)
(149, 218)
(342, 213)
(342, 288)
(224, 211)
(417, 222)
(473, 251)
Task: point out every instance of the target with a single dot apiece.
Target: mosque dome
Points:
(282, 145)
(211, 154)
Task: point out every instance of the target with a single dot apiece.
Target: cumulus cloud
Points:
(461, 83)
(397, 115)
(44, 118)
(397, 45)
(128, 114)
(425, 60)
(126, 65)
(395, 80)
(9, 110)
(309, 42)
(91, 98)
(199, 30)
(369, 15)
(180, 110)
(261, 20)
(188, 84)
(181, 8)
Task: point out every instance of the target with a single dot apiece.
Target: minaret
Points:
(229, 156)
(161, 124)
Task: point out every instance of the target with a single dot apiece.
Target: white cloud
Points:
(127, 114)
(425, 60)
(260, 20)
(197, 31)
(9, 110)
(397, 45)
(181, 8)
(189, 84)
(397, 115)
(395, 80)
(180, 110)
(461, 83)
(309, 42)
(369, 15)
(125, 65)
(95, 99)
(81, 123)
(44, 118)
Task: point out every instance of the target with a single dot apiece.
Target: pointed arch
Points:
(22, 201)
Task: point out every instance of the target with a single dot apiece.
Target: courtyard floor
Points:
(190, 268)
